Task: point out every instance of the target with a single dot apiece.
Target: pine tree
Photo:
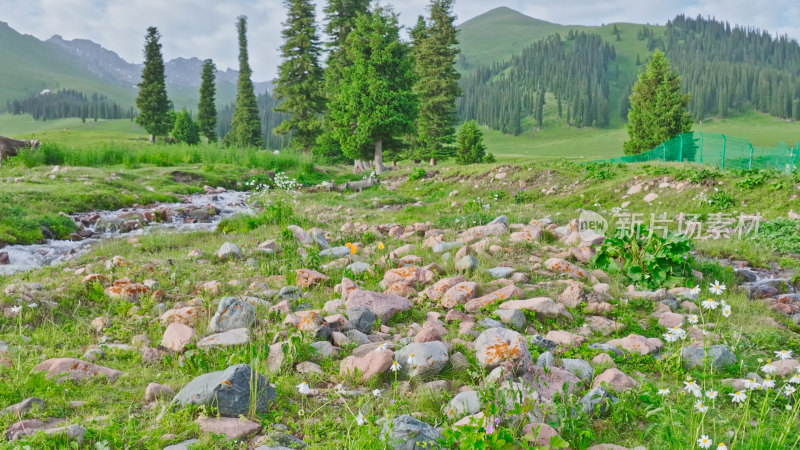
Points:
(246, 125)
(340, 19)
(206, 109)
(437, 86)
(658, 109)
(186, 130)
(418, 34)
(152, 101)
(300, 81)
(375, 103)
(469, 144)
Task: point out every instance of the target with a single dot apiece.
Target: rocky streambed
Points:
(199, 212)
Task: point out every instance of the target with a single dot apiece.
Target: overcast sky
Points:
(205, 28)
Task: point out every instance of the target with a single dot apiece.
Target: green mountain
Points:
(521, 74)
(28, 66)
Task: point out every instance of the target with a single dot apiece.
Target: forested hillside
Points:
(68, 103)
(269, 120)
(587, 72)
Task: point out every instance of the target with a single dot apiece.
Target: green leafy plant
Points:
(721, 200)
(648, 260)
(417, 174)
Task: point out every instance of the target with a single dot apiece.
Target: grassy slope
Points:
(30, 65)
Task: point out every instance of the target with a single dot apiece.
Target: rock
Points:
(361, 318)
(542, 431)
(650, 198)
(301, 235)
(125, 289)
(307, 278)
(229, 391)
(19, 409)
(490, 323)
(459, 294)
(480, 232)
(50, 426)
(515, 318)
(545, 359)
(373, 363)
(552, 380)
(430, 358)
(578, 367)
(75, 370)
(325, 349)
(232, 428)
(357, 337)
(496, 346)
(500, 272)
(745, 276)
(4, 259)
(155, 391)
(93, 354)
(505, 293)
(181, 445)
(384, 306)
(598, 401)
(463, 404)
(276, 357)
(319, 238)
(635, 343)
(542, 306)
(315, 325)
(719, 356)
(558, 265)
(603, 359)
(236, 336)
(459, 362)
(565, 338)
(785, 367)
(229, 250)
(602, 325)
(309, 368)
(335, 252)
(466, 264)
(232, 312)
(670, 319)
(442, 247)
(541, 342)
(408, 433)
(100, 323)
(615, 379)
(572, 296)
(177, 336)
(188, 315)
(358, 267)
(438, 289)
(528, 233)
(432, 330)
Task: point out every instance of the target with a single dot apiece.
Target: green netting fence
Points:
(719, 150)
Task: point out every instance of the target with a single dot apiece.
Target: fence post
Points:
(722, 162)
(794, 160)
(663, 152)
(680, 150)
(750, 166)
(701, 147)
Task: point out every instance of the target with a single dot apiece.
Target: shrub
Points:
(780, 236)
(417, 174)
(651, 261)
(469, 144)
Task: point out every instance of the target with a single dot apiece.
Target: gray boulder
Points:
(719, 356)
(464, 404)
(580, 368)
(319, 238)
(466, 263)
(429, 358)
(229, 391)
(358, 267)
(232, 313)
(229, 250)
(361, 318)
(408, 433)
(335, 252)
(500, 272)
(598, 401)
(546, 359)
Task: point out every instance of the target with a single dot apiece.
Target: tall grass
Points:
(162, 155)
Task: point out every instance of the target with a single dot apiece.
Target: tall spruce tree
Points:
(418, 34)
(658, 107)
(375, 103)
(206, 109)
(246, 124)
(152, 101)
(340, 19)
(300, 81)
(437, 83)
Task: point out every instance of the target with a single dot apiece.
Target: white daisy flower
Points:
(16, 309)
(360, 420)
(691, 386)
(411, 361)
(700, 406)
(663, 392)
(795, 379)
(789, 389)
(717, 288)
(783, 354)
(376, 392)
(695, 290)
(693, 319)
(722, 446)
(738, 397)
(768, 383)
(395, 366)
(669, 337)
(340, 389)
(751, 384)
(383, 347)
(712, 394)
(709, 304)
(726, 311)
(704, 442)
(769, 369)
(303, 388)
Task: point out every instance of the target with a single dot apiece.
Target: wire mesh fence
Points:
(719, 150)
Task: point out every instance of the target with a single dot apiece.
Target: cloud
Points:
(206, 29)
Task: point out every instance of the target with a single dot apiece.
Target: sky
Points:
(205, 28)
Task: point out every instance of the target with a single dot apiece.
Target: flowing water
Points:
(28, 257)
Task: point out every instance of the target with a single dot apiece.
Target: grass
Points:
(115, 414)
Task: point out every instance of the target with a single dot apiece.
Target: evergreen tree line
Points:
(68, 103)
(728, 68)
(270, 119)
(575, 70)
